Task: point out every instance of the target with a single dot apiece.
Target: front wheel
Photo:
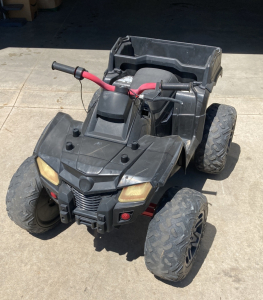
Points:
(174, 234)
(28, 203)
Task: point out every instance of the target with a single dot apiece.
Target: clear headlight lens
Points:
(47, 172)
(137, 192)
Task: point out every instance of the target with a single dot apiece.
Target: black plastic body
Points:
(189, 62)
(126, 141)
(114, 105)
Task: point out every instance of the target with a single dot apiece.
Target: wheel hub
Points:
(195, 239)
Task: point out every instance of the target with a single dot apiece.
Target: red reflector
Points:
(53, 195)
(149, 212)
(125, 216)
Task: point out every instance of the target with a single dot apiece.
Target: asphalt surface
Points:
(69, 262)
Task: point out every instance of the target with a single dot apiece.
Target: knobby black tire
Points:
(27, 202)
(171, 234)
(211, 154)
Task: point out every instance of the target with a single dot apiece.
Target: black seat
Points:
(145, 75)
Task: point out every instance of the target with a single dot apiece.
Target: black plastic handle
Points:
(176, 86)
(63, 68)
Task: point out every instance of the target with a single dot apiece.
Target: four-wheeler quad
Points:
(147, 120)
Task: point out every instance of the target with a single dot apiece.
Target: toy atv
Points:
(147, 120)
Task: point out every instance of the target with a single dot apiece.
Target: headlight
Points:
(137, 192)
(47, 172)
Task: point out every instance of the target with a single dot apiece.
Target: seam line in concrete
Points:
(35, 67)
(21, 89)
(52, 91)
(42, 107)
(65, 19)
(237, 97)
(58, 91)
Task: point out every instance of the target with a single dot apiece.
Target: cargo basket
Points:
(189, 62)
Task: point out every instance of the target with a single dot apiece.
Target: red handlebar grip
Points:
(99, 82)
(143, 87)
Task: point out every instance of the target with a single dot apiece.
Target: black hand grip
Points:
(63, 68)
(176, 86)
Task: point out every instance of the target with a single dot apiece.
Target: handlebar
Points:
(176, 86)
(81, 73)
(63, 68)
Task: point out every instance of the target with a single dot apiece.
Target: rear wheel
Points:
(174, 234)
(28, 203)
(211, 154)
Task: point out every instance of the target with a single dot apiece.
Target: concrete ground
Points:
(68, 262)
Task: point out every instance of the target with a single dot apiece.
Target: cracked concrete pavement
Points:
(68, 262)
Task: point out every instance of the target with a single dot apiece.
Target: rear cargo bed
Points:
(189, 62)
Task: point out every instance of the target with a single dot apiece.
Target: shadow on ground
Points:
(52, 233)
(85, 24)
(129, 239)
(194, 179)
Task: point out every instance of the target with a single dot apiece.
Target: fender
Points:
(159, 161)
(52, 140)
(155, 161)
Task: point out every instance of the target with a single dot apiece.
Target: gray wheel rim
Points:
(47, 211)
(195, 239)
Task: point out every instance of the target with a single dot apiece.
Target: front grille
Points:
(90, 203)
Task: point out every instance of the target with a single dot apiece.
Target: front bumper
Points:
(101, 211)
